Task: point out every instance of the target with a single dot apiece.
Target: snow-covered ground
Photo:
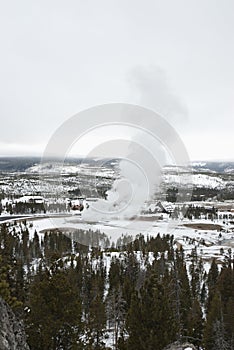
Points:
(199, 180)
(209, 242)
(64, 169)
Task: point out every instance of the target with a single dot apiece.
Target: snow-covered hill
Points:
(199, 180)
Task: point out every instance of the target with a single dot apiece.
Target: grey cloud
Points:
(154, 91)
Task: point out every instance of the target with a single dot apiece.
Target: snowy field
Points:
(209, 242)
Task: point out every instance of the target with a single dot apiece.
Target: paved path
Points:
(5, 218)
(12, 217)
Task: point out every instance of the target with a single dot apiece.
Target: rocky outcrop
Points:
(12, 334)
(178, 346)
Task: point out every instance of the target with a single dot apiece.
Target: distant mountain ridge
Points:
(15, 164)
(22, 164)
(218, 167)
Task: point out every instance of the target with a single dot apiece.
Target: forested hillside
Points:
(142, 296)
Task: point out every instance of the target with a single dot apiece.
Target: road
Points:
(4, 218)
(12, 217)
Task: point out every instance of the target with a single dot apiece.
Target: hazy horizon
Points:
(73, 157)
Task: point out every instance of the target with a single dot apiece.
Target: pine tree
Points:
(6, 291)
(96, 323)
(95, 308)
(211, 281)
(195, 323)
(115, 277)
(151, 323)
(134, 325)
(219, 341)
(214, 331)
(116, 312)
(225, 286)
(180, 294)
(54, 320)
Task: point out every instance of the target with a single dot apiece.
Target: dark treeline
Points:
(187, 211)
(35, 208)
(195, 212)
(142, 295)
(201, 193)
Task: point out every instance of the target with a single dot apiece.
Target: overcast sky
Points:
(60, 57)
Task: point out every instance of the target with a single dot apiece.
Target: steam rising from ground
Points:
(154, 144)
(140, 175)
